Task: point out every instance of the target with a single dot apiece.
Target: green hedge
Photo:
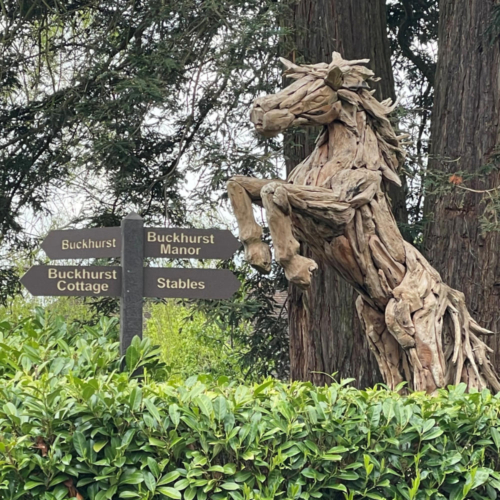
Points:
(71, 424)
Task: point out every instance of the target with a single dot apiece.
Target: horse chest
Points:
(367, 252)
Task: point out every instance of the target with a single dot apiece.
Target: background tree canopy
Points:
(119, 101)
(123, 102)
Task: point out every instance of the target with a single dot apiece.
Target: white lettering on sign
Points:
(180, 284)
(82, 275)
(78, 274)
(87, 243)
(181, 237)
(179, 250)
(82, 286)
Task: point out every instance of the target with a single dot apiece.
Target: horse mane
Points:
(350, 80)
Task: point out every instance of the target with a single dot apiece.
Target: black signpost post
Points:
(132, 281)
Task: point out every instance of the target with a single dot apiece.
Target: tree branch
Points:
(428, 70)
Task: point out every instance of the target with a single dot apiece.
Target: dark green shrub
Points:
(45, 345)
(72, 427)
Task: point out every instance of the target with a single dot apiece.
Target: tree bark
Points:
(464, 137)
(325, 333)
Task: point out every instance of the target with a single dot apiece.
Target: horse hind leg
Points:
(391, 358)
(432, 324)
(242, 191)
(298, 269)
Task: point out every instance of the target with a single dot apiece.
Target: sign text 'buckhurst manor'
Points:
(189, 243)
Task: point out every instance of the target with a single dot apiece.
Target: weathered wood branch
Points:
(336, 201)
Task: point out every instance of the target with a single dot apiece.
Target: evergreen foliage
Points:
(111, 100)
(72, 425)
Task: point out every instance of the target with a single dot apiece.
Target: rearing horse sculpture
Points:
(336, 201)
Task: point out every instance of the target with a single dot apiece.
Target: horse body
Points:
(336, 201)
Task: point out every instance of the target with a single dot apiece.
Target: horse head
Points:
(333, 95)
(313, 99)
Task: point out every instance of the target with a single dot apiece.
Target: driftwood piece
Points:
(336, 201)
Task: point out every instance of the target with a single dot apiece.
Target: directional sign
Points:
(83, 243)
(87, 281)
(189, 283)
(189, 243)
(132, 281)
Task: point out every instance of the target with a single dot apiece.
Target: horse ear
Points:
(334, 78)
(289, 65)
(337, 59)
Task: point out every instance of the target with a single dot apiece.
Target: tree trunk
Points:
(464, 137)
(325, 334)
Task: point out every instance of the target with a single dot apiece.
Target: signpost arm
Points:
(131, 301)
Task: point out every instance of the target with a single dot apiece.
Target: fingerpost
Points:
(132, 261)
(131, 281)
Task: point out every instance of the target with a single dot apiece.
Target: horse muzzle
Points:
(270, 123)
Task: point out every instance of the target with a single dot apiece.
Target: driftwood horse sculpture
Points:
(336, 201)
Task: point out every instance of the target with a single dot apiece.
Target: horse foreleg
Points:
(298, 269)
(242, 192)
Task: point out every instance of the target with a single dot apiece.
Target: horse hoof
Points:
(299, 271)
(258, 255)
